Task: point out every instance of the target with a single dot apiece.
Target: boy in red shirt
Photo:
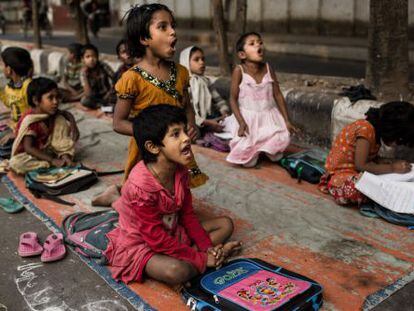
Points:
(159, 234)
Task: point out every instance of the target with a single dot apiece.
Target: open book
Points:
(393, 191)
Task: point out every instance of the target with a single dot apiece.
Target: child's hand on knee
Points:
(243, 130)
(217, 252)
(231, 248)
(211, 260)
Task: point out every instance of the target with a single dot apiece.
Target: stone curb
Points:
(50, 60)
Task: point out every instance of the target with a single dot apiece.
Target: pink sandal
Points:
(53, 248)
(29, 245)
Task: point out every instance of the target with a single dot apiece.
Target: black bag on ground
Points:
(86, 232)
(50, 183)
(306, 165)
(252, 284)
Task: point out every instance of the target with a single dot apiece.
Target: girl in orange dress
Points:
(355, 150)
(154, 79)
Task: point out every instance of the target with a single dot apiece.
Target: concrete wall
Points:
(337, 17)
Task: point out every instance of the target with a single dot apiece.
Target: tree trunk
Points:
(387, 71)
(79, 18)
(36, 27)
(220, 29)
(241, 16)
(239, 25)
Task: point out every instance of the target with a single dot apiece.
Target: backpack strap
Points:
(102, 173)
(106, 173)
(51, 198)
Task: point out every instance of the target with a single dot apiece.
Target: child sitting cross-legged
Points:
(96, 78)
(159, 235)
(45, 135)
(72, 87)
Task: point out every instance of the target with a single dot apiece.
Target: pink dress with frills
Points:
(267, 128)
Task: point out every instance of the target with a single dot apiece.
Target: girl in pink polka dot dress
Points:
(355, 150)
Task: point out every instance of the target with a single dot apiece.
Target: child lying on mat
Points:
(159, 235)
(45, 135)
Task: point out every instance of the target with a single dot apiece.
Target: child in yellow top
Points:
(17, 67)
(154, 79)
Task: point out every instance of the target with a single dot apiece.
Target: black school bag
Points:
(86, 232)
(306, 165)
(252, 284)
(50, 183)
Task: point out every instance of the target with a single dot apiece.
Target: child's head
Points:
(75, 52)
(250, 47)
(43, 95)
(160, 132)
(151, 26)
(193, 59)
(393, 123)
(122, 52)
(16, 60)
(90, 55)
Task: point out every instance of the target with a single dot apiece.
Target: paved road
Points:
(282, 63)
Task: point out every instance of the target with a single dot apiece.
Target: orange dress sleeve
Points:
(127, 86)
(365, 130)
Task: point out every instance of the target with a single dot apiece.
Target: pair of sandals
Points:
(53, 248)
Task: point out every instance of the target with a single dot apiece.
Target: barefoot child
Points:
(208, 105)
(159, 235)
(355, 150)
(260, 122)
(154, 79)
(44, 137)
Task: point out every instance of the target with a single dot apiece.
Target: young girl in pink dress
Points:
(260, 123)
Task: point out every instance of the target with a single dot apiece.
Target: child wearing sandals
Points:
(260, 122)
(45, 135)
(153, 80)
(159, 236)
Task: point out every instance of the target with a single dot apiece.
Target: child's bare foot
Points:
(231, 248)
(107, 197)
